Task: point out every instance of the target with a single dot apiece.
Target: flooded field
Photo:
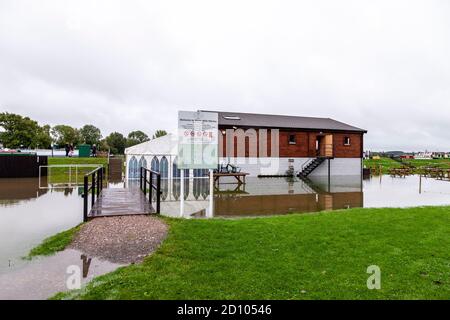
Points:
(29, 214)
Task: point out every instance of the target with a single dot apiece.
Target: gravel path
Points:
(123, 239)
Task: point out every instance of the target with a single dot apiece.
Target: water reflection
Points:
(29, 214)
(13, 191)
(274, 196)
(271, 196)
(46, 276)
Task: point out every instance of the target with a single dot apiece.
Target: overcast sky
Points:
(130, 65)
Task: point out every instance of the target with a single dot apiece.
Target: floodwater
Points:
(45, 276)
(29, 214)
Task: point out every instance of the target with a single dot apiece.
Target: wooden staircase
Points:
(310, 166)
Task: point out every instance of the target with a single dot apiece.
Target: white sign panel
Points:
(197, 140)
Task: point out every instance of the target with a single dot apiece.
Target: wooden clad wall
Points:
(305, 145)
(21, 166)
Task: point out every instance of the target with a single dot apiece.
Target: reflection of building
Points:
(21, 188)
(12, 190)
(281, 196)
(251, 205)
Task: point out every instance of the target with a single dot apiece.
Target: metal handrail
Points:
(96, 186)
(143, 182)
(71, 167)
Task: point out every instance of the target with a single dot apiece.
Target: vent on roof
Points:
(231, 118)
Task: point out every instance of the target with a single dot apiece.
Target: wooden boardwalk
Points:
(120, 202)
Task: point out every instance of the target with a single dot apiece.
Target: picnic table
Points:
(239, 176)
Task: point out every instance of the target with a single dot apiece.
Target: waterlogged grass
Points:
(384, 163)
(437, 163)
(387, 163)
(57, 160)
(53, 244)
(309, 256)
(66, 174)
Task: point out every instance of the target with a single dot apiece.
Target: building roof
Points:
(240, 119)
(165, 145)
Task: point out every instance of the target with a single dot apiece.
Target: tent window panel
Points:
(155, 164)
(164, 168)
(133, 169)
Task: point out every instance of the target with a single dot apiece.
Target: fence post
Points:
(150, 193)
(145, 182)
(158, 193)
(101, 177)
(98, 183)
(93, 190)
(140, 177)
(85, 199)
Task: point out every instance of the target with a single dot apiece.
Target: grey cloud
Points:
(126, 65)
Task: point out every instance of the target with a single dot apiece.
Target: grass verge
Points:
(55, 243)
(309, 256)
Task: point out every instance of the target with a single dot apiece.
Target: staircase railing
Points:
(95, 186)
(307, 163)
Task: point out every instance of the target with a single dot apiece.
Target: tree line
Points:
(22, 132)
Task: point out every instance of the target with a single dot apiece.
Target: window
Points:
(346, 141)
(292, 139)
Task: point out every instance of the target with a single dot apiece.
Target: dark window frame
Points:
(294, 141)
(347, 141)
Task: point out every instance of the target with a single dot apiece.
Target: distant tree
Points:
(62, 134)
(90, 134)
(19, 131)
(159, 133)
(136, 137)
(43, 138)
(103, 145)
(116, 142)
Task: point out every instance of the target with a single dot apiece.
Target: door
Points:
(324, 145)
(328, 148)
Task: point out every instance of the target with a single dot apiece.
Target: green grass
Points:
(53, 244)
(309, 256)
